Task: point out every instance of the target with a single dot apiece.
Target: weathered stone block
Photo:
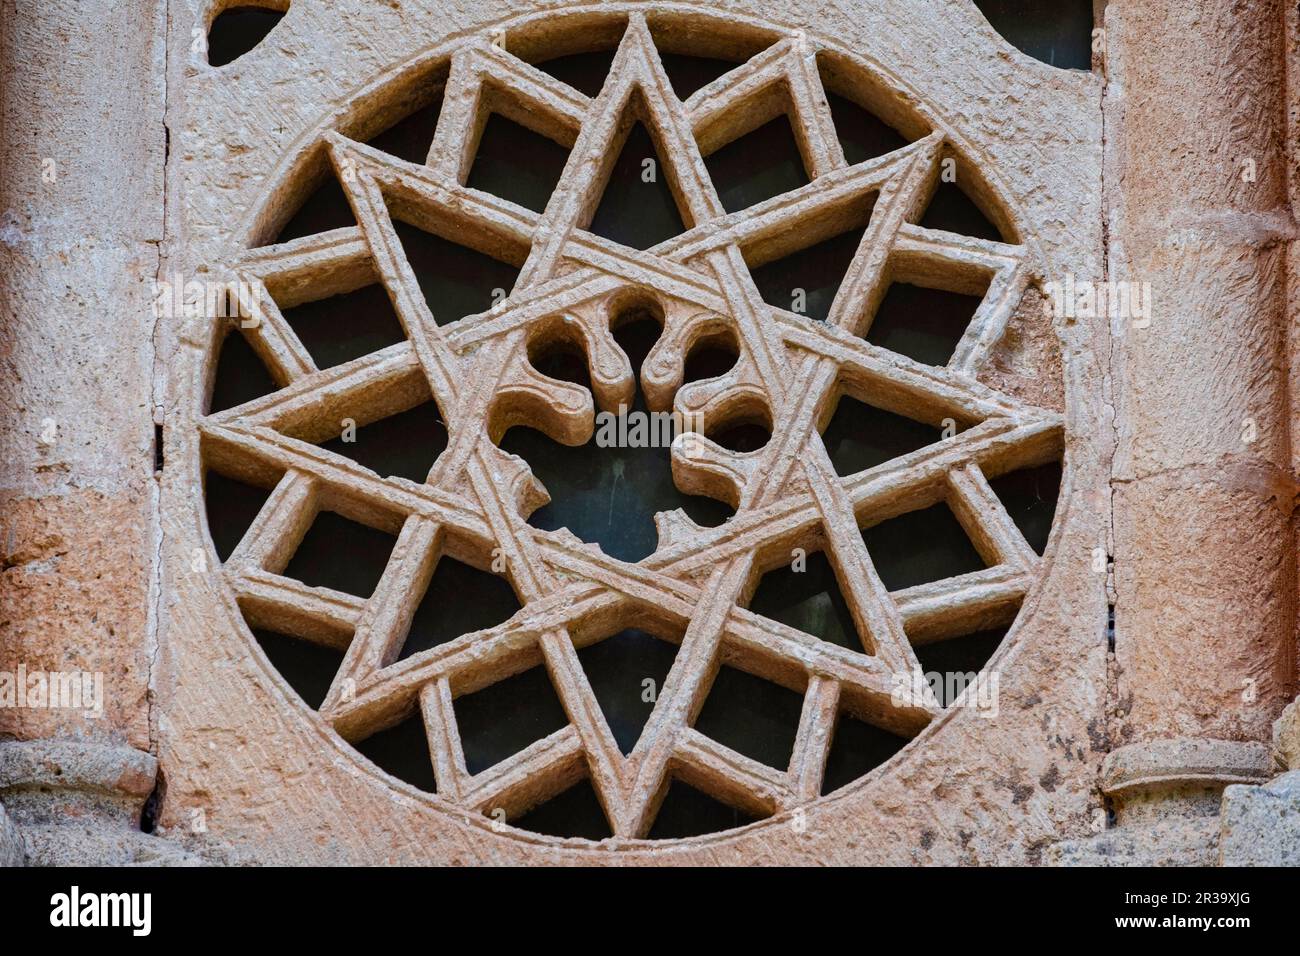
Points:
(1260, 826)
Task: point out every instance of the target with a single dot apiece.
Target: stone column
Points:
(82, 152)
(81, 212)
(1202, 488)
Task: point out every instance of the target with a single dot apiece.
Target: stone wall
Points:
(128, 159)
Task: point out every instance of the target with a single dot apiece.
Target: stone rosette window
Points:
(886, 429)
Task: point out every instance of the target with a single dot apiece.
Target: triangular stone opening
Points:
(517, 164)
(585, 72)
(806, 282)
(1030, 495)
(949, 663)
(406, 444)
(240, 375)
(952, 210)
(456, 280)
(857, 748)
(805, 594)
(626, 672)
(862, 134)
(506, 717)
(460, 600)
(324, 209)
(574, 813)
(637, 207)
(861, 436)
(232, 506)
(403, 752)
(687, 73)
(307, 667)
(687, 812)
(347, 326)
(411, 136)
(1060, 34)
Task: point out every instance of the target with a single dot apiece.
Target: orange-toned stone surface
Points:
(1206, 489)
(81, 217)
(1178, 436)
(970, 788)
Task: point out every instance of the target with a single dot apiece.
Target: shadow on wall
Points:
(1058, 32)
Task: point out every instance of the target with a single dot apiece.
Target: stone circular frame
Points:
(475, 504)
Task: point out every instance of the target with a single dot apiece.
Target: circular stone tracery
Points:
(472, 507)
